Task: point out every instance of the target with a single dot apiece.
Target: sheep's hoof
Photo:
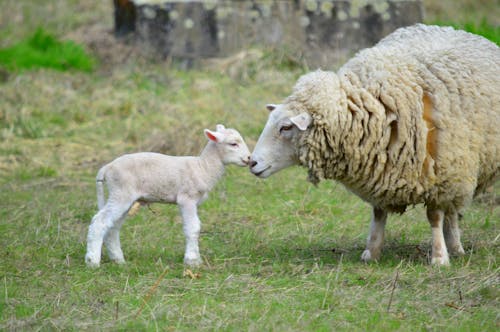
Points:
(193, 262)
(440, 261)
(367, 256)
(457, 251)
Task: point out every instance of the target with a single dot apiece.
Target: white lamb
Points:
(152, 177)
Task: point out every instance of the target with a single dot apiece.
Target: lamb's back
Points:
(154, 175)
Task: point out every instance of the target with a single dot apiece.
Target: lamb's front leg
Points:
(375, 239)
(191, 227)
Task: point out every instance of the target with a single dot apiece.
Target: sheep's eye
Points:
(234, 145)
(286, 128)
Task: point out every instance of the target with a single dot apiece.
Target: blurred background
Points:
(127, 58)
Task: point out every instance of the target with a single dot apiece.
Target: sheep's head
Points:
(304, 120)
(277, 145)
(230, 145)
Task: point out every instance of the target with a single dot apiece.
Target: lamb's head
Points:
(277, 145)
(230, 145)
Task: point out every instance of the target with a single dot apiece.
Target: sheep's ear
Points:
(302, 121)
(270, 107)
(213, 135)
(220, 128)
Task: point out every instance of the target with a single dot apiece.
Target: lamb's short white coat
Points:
(148, 177)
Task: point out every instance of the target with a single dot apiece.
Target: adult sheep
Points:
(414, 119)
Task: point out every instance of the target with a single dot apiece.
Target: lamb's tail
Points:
(99, 182)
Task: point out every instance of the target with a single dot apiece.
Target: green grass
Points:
(279, 254)
(483, 28)
(43, 50)
(481, 17)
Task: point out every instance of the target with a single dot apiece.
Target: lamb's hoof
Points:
(193, 262)
(119, 261)
(92, 263)
(367, 256)
(440, 261)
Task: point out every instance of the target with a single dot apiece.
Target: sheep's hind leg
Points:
(191, 227)
(452, 233)
(439, 251)
(112, 242)
(101, 223)
(376, 237)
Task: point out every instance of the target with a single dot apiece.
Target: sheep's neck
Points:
(211, 163)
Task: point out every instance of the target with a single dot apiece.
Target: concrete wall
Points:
(321, 31)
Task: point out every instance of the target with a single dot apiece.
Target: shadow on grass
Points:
(393, 253)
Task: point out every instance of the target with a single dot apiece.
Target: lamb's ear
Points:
(302, 121)
(220, 128)
(271, 107)
(213, 135)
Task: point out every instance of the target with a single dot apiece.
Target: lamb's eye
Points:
(234, 145)
(286, 128)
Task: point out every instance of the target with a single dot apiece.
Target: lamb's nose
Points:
(252, 163)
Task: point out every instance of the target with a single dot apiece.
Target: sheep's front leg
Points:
(439, 251)
(376, 237)
(191, 227)
(452, 233)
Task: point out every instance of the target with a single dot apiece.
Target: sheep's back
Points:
(441, 85)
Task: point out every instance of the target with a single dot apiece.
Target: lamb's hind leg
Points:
(112, 242)
(376, 237)
(439, 251)
(101, 223)
(452, 233)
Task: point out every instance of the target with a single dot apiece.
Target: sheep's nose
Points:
(252, 163)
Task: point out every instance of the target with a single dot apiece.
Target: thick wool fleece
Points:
(415, 119)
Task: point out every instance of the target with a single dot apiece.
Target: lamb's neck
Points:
(211, 163)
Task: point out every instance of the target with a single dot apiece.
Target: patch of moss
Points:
(43, 50)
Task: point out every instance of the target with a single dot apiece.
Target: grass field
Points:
(279, 254)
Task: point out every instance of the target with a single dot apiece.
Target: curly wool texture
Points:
(414, 119)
